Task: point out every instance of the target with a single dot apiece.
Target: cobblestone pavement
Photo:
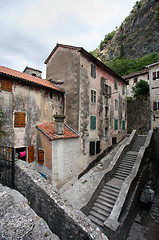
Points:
(146, 224)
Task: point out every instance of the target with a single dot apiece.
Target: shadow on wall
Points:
(155, 150)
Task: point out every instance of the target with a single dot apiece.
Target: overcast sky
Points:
(30, 29)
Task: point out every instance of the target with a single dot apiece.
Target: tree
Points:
(141, 89)
(2, 122)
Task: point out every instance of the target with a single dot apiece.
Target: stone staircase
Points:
(107, 197)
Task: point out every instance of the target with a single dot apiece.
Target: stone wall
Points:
(138, 116)
(62, 218)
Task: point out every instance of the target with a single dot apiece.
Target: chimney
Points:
(59, 124)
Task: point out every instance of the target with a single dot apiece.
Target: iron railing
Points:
(7, 168)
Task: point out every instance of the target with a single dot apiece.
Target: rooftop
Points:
(49, 130)
(8, 72)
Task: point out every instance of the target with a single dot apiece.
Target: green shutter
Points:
(93, 122)
(115, 124)
(123, 124)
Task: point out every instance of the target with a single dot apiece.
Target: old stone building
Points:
(95, 100)
(154, 94)
(27, 101)
(135, 77)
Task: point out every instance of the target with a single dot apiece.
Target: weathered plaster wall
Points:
(64, 65)
(138, 115)
(38, 106)
(65, 155)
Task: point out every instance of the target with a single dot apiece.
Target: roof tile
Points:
(49, 130)
(24, 76)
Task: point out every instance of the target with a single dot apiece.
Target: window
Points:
(93, 96)
(106, 112)
(106, 133)
(92, 148)
(19, 119)
(156, 106)
(93, 70)
(123, 106)
(6, 85)
(123, 124)
(92, 122)
(123, 88)
(115, 124)
(155, 75)
(40, 156)
(135, 80)
(116, 104)
(97, 147)
(116, 84)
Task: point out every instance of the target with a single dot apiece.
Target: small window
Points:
(106, 112)
(6, 85)
(123, 88)
(123, 106)
(92, 148)
(41, 156)
(156, 106)
(97, 147)
(116, 104)
(93, 70)
(116, 84)
(157, 74)
(154, 75)
(51, 95)
(135, 80)
(106, 133)
(92, 122)
(93, 96)
(123, 124)
(19, 119)
(115, 124)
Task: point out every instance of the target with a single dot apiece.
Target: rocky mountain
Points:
(137, 36)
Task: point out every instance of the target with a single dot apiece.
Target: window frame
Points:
(41, 161)
(93, 96)
(116, 124)
(116, 104)
(93, 126)
(19, 119)
(115, 83)
(93, 70)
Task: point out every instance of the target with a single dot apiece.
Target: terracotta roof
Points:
(88, 55)
(134, 74)
(49, 130)
(28, 78)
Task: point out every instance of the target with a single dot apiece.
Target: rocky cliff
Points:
(137, 36)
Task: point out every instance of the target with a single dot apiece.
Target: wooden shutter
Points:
(19, 119)
(93, 122)
(40, 156)
(92, 148)
(154, 75)
(123, 124)
(30, 154)
(115, 124)
(97, 147)
(110, 91)
(93, 70)
(6, 85)
(155, 106)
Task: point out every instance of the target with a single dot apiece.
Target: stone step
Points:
(111, 188)
(106, 199)
(120, 177)
(105, 194)
(111, 193)
(123, 170)
(103, 207)
(101, 211)
(128, 166)
(97, 215)
(109, 205)
(96, 221)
